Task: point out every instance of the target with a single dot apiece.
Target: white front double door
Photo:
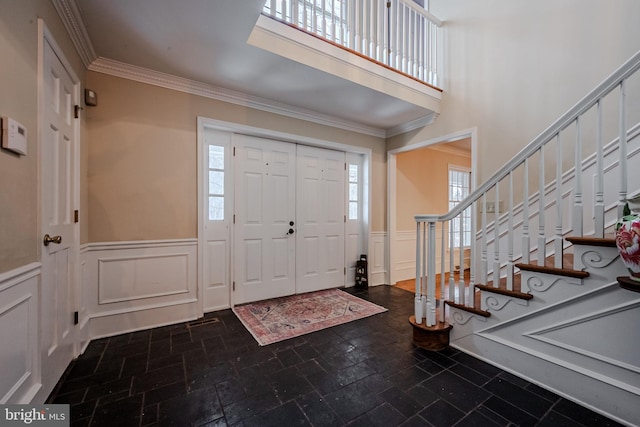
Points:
(289, 219)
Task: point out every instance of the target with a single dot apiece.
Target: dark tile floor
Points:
(364, 373)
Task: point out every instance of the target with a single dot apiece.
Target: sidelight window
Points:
(216, 183)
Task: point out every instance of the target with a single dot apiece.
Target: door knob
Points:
(291, 231)
(48, 239)
(291, 223)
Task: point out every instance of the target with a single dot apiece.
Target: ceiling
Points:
(205, 41)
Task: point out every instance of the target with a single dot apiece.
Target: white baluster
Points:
(442, 268)
(510, 234)
(452, 283)
(599, 193)
(558, 238)
(622, 199)
(496, 238)
(461, 260)
(484, 273)
(577, 189)
(526, 243)
(541, 219)
(474, 255)
(431, 275)
(418, 300)
(295, 14)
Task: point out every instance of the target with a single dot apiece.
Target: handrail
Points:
(422, 11)
(607, 85)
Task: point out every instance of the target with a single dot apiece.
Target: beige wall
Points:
(514, 66)
(19, 227)
(142, 151)
(422, 183)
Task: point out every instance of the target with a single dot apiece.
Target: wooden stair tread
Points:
(553, 270)
(473, 310)
(504, 291)
(608, 241)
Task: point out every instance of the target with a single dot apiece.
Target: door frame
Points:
(392, 207)
(45, 36)
(220, 125)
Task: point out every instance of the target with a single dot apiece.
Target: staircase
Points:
(542, 298)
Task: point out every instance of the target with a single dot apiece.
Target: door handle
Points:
(291, 231)
(48, 239)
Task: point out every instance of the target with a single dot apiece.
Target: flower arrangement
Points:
(628, 241)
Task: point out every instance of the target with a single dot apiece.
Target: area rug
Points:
(288, 317)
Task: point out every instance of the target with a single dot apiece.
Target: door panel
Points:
(320, 220)
(264, 250)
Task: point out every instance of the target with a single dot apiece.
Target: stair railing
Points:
(396, 33)
(513, 225)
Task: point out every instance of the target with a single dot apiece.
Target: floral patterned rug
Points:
(288, 317)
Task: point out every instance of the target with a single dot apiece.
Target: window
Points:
(459, 179)
(353, 191)
(216, 183)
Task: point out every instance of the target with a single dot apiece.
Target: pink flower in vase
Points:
(628, 243)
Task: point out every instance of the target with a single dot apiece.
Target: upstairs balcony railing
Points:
(397, 33)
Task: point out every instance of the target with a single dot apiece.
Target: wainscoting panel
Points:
(377, 260)
(19, 352)
(137, 285)
(128, 279)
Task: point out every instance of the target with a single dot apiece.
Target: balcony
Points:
(394, 47)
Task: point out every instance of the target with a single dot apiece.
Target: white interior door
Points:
(264, 248)
(320, 222)
(58, 200)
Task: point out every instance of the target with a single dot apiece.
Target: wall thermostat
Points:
(90, 98)
(14, 136)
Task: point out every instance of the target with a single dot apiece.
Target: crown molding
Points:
(168, 81)
(418, 123)
(72, 20)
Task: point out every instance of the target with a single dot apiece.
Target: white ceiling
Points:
(206, 41)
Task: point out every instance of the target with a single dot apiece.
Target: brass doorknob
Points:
(55, 239)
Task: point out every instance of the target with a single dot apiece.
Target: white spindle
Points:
(473, 255)
(420, 37)
(526, 242)
(431, 275)
(496, 238)
(305, 16)
(425, 285)
(442, 278)
(273, 8)
(541, 219)
(599, 193)
(283, 10)
(558, 238)
(510, 234)
(577, 189)
(352, 24)
(418, 298)
(442, 261)
(452, 283)
(623, 150)
(484, 273)
(461, 260)
(295, 16)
